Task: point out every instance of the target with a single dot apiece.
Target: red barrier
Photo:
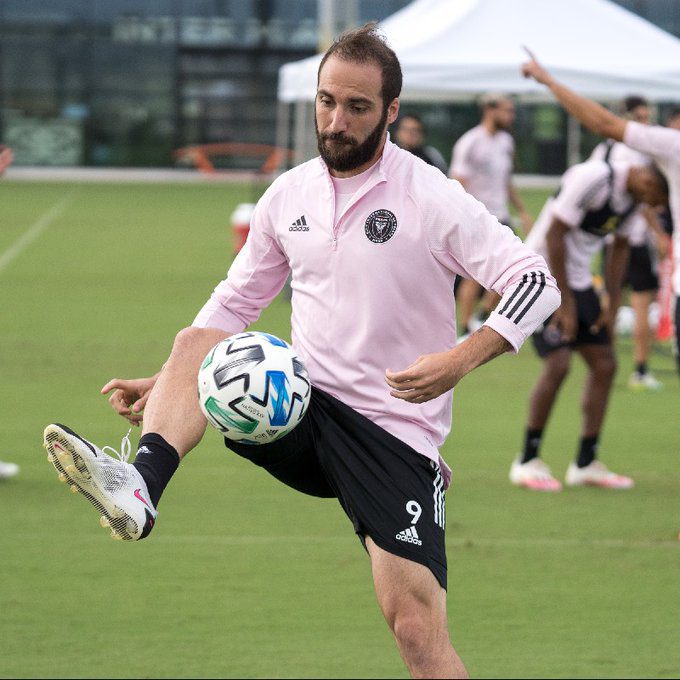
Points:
(665, 297)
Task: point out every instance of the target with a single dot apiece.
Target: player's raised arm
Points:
(589, 113)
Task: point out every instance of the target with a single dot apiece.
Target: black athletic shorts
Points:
(547, 339)
(641, 275)
(389, 491)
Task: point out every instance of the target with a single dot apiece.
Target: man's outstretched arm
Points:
(590, 114)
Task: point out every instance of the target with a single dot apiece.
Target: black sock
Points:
(641, 368)
(587, 451)
(156, 461)
(532, 443)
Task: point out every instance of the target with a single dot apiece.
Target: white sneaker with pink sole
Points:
(534, 475)
(597, 474)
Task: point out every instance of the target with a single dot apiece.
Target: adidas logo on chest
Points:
(300, 224)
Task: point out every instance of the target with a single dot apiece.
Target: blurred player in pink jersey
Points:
(482, 161)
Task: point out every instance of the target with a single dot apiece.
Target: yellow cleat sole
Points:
(72, 470)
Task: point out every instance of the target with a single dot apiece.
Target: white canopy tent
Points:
(454, 50)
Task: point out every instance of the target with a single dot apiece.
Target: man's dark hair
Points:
(673, 113)
(412, 116)
(365, 45)
(632, 102)
(491, 100)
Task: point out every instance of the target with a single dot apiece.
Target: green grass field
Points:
(243, 577)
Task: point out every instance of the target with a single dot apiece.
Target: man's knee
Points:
(604, 369)
(415, 635)
(194, 341)
(557, 365)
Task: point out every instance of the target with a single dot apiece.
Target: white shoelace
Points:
(125, 448)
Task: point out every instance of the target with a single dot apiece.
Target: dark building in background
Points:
(125, 82)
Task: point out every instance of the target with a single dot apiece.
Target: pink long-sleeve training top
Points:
(372, 288)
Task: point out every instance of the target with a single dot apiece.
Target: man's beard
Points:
(501, 125)
(351, 154)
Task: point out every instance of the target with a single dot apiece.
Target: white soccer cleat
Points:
(596, 474)
(534, 475)
(113, 486)
(644, 382)
(8, 470)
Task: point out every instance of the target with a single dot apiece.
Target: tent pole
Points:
(300, 125)
(283, 129)
(310, 135)
(573, 141)
(327, 22)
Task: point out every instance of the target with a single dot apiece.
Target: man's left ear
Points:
(392, 111)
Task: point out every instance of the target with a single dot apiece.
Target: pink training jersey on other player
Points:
(484, 162)
(373, 289)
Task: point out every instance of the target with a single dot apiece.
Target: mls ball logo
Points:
(380, 226)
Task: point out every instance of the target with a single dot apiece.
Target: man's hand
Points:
(532, 69)
(431, 375)
(589, 113)
(428, 377)
(604, 320)
(130, 397)
(565, 319)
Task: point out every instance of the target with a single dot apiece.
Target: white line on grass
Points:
(450, 542)
(34, 231)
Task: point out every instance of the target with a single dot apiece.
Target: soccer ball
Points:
(253, 388)
(625, 321)
(654, 316)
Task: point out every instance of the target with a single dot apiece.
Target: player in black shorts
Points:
(595, 199)
(644, 284)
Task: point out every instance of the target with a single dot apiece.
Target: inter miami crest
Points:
(380, 226)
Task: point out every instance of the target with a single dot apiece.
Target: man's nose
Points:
(338, 120)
